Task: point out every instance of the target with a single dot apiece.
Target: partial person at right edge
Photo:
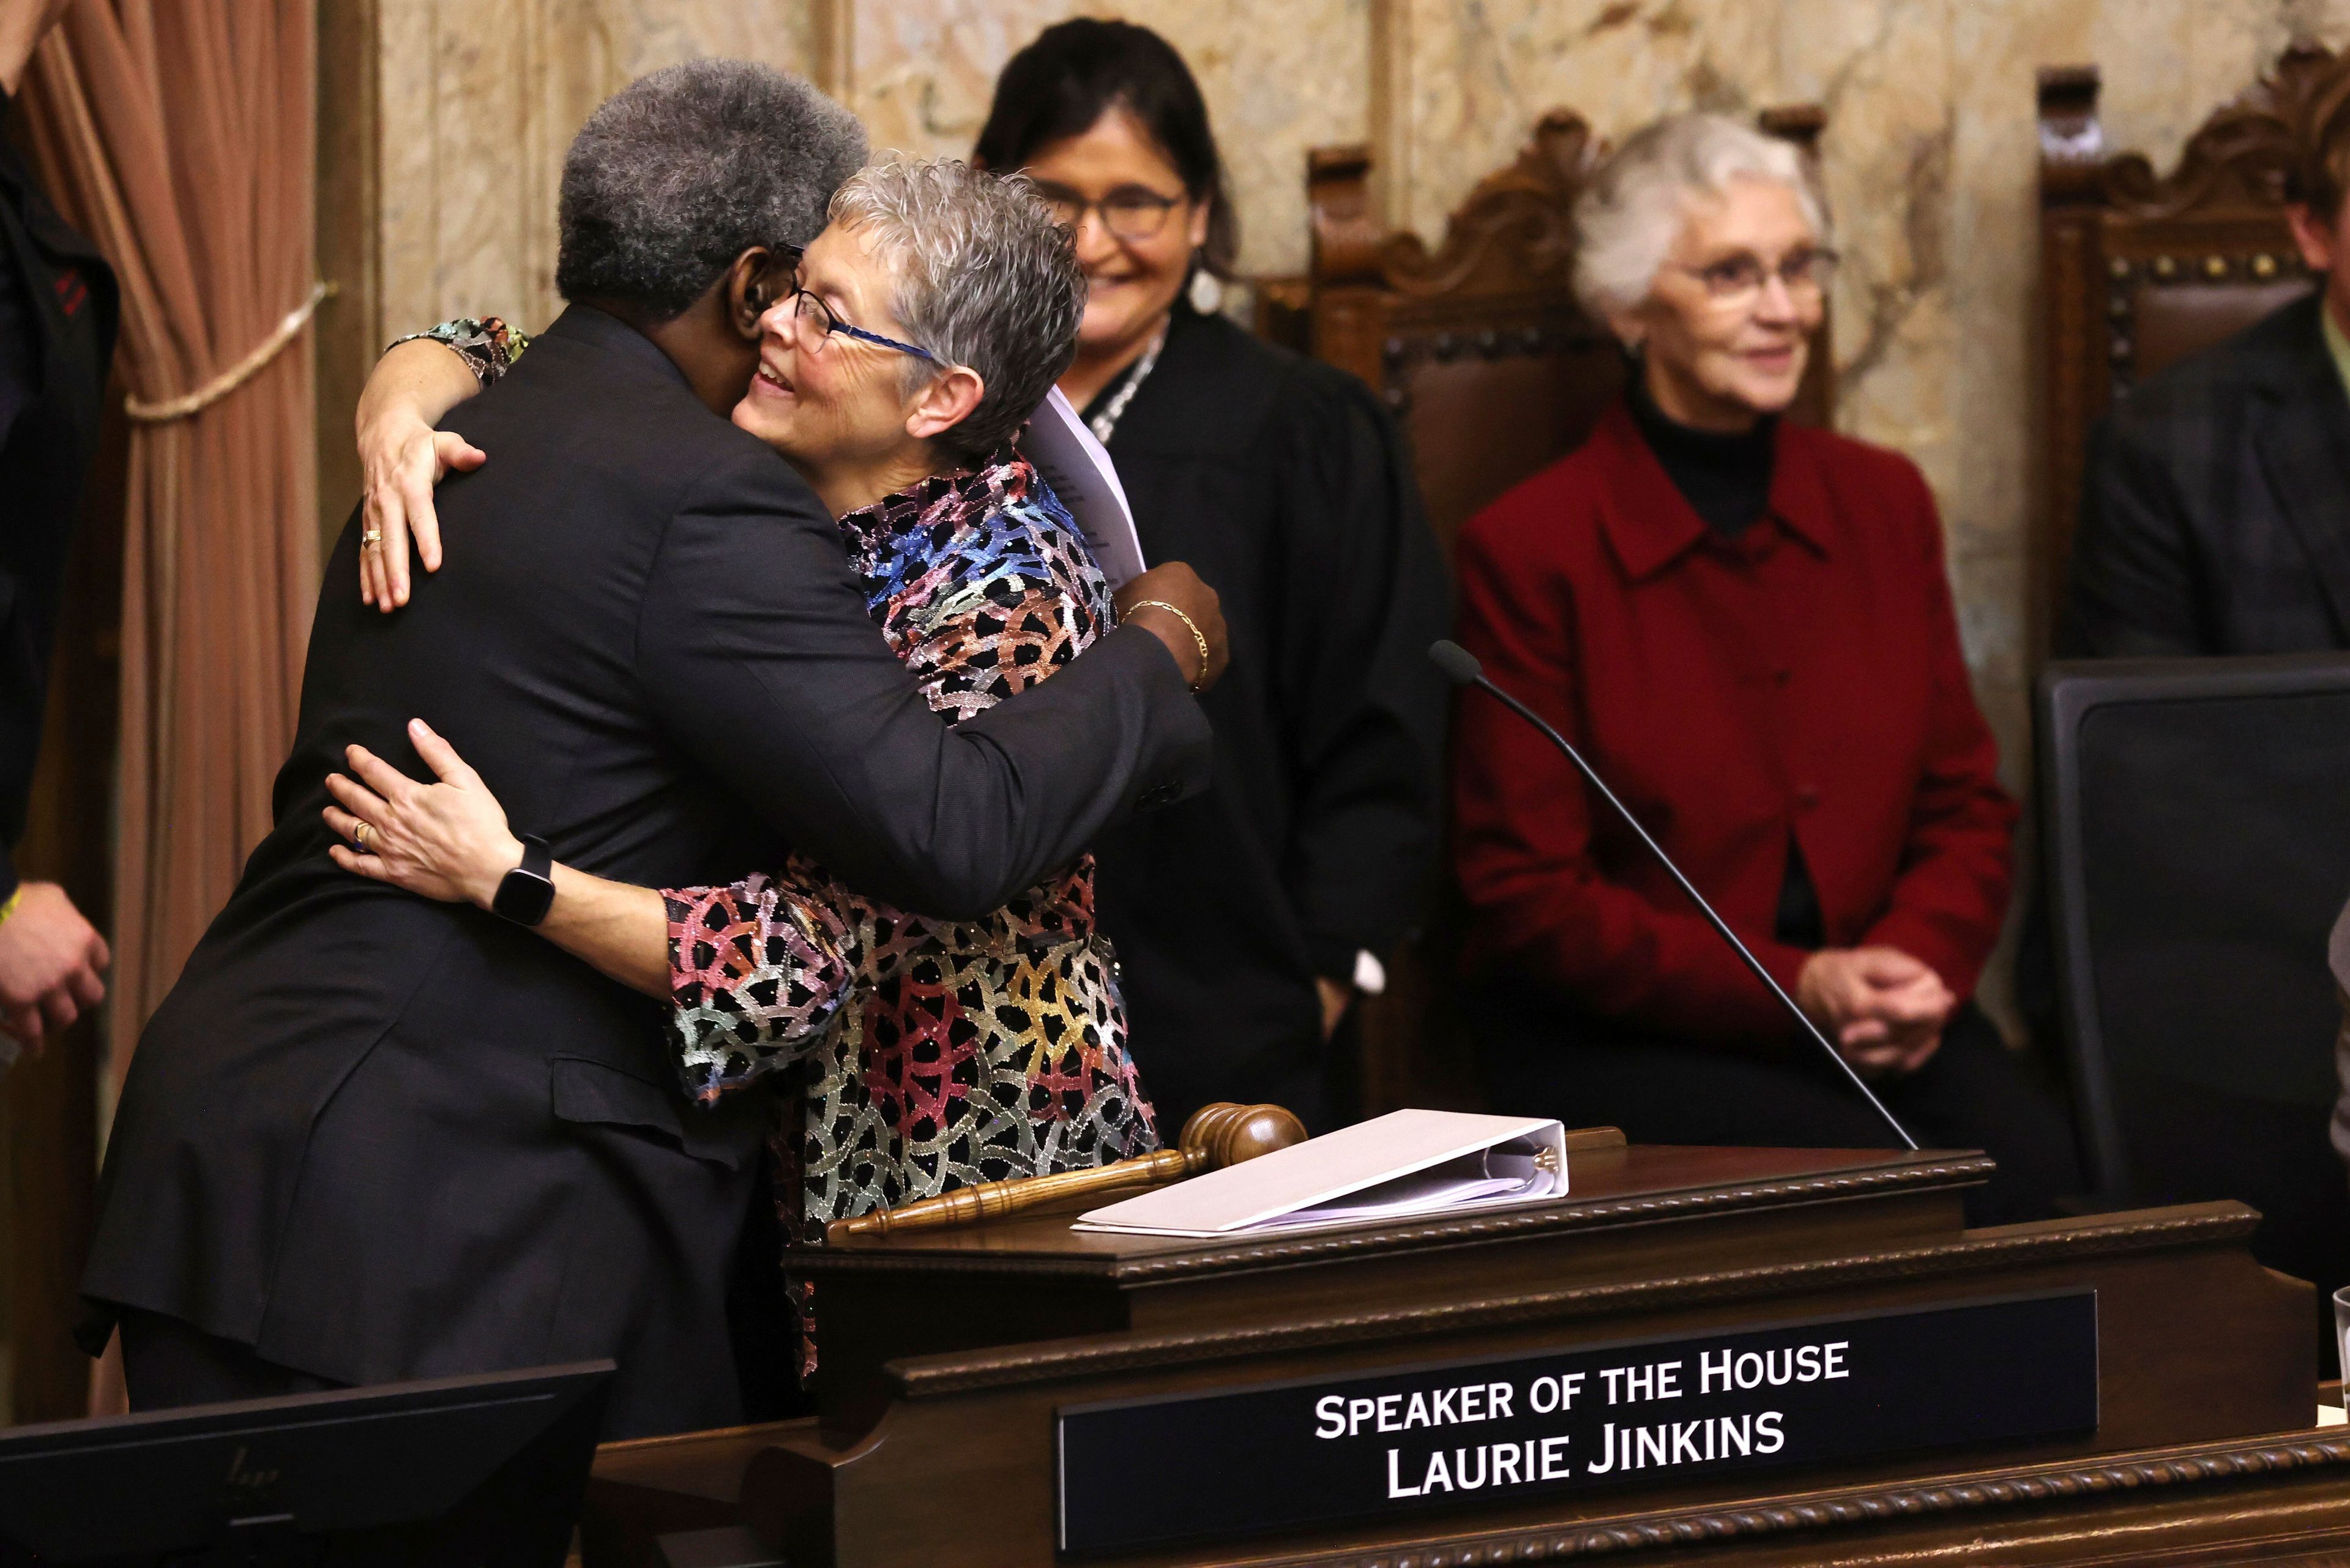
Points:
(2215, 511)
(1746, 626)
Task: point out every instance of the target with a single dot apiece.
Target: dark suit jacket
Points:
(57, 302)
(2216, 515)
(375, 1136)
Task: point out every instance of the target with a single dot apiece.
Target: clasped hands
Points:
(1881, 1009)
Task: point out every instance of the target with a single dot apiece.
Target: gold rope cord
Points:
(236, 375)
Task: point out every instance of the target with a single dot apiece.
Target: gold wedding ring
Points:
(360, 833)
(371, 538)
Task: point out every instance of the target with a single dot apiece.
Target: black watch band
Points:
(528, 890)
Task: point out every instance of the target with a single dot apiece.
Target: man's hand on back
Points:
(50, 959)
(1178, 585)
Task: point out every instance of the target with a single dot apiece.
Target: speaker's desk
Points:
(1730, 1356)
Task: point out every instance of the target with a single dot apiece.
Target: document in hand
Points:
(1404, 1165)
(1060, 447)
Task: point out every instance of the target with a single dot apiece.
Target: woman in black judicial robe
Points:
(1244, 917)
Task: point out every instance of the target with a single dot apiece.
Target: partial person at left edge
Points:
(57, 318)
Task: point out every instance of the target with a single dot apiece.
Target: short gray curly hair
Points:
(985, 277)
(681, 172)
(1629, 215)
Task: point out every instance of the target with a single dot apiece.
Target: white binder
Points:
(1404, 1165)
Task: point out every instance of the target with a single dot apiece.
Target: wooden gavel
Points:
(1216, 1136)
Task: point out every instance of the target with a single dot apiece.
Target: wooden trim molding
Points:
(1964, 1170)
(2154, 1471)
(1516, 221)
(348, 330)
(2204, 1224)
(2238, 158)
(832, 37)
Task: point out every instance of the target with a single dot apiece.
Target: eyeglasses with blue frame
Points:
(807, 307)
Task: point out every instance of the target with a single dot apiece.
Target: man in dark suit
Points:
(2216, 514)
(369, 1137)
(57, 336)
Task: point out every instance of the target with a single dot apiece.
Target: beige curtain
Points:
(178, 134)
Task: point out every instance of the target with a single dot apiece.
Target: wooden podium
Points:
(2121, 1388)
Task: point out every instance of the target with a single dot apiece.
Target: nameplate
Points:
(1500, 1431)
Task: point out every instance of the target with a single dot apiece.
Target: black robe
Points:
(1283, 483)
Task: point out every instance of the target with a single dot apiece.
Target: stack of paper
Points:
(1404, 1165)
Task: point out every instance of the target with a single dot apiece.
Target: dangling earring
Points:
(1206, 290)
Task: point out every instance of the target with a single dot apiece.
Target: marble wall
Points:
(1929, 155)
(1928, 152)
(477, 103)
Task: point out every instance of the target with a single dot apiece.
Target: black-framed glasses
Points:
(807, 308)
(1131, 211)
(1736, 280)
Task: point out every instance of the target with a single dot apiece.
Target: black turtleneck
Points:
(1726, 479)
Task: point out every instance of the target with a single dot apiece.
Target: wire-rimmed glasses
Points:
(1131, 211)
(1735, 280)
(808, 308)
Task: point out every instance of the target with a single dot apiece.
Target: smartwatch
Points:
(529, 889)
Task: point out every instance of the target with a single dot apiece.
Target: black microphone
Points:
(1461, 668)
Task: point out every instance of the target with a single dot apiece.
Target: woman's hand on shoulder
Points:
(402, 457)
(447, 840)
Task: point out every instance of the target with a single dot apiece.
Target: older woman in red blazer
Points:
(1746, 626)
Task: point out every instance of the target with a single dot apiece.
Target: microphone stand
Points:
(1462, 667)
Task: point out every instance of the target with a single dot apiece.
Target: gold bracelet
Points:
(1188, 625)
(9, 908)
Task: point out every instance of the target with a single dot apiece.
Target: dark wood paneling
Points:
(347, 195)
(936, 1444)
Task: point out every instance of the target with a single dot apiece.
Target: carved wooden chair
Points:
(2138, 270)
(1493, 372)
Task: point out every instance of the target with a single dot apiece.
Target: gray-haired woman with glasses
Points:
(1748, 624)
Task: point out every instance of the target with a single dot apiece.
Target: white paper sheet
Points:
(1064, 451)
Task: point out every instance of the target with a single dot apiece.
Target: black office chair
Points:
(2195, 821)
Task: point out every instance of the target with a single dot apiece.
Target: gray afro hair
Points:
(681, 172)
(985, 277)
